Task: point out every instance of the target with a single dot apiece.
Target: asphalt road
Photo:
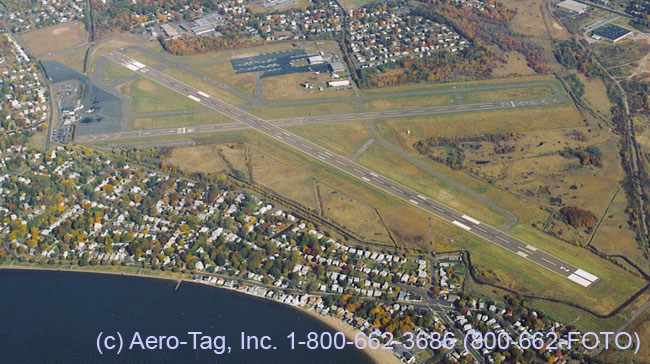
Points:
(467, 223)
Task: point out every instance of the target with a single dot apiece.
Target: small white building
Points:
(342, 83)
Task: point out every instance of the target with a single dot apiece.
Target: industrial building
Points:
(170, 31)
(571, 7)
(342, 83)
(610, 32)
(337, 67)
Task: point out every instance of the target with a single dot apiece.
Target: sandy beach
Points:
(378, 356)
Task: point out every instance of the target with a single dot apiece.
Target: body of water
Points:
(55, 317)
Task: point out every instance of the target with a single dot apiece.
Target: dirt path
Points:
(644, 66)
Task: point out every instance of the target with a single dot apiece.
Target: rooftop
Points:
(611, 32)
(573, 6)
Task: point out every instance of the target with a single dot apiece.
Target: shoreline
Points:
(377, 356)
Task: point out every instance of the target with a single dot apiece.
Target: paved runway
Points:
(322, 119)
(467, 223)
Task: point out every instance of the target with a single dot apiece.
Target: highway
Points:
(460, 220)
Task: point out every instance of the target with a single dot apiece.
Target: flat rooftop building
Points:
(572, 7)
(343, 83)
(170, 31)
(337, 67)
(611, 32)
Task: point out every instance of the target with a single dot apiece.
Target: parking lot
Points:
(276, 63)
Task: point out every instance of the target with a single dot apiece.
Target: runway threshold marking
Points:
(461, 225)
(471, 219)
(586, 275)
(577, 279)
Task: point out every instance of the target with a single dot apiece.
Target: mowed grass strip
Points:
(409, 102)
(223, 72)
(388, 163)
(522, 93)
(341, 138)
(475, 123)
(189, 119)
(205, 86)
(148, 96)
(279, 112)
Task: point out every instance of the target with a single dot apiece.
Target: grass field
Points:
(279, 112)
(514, 65)
(388, 163)
(223, 72)
(475, 123)
(642, 327)
(294, 4)
(142, 57)
(148, 96)
(193, 159)
(287, 87)
(189, 119)
(112, 72)
(621, 52)
(341, 138)
(511, 81)
(507, 94)
(408, 102)
(526, 211)
(73, 58)
(205, 86)
(69, 34)
(355, 4)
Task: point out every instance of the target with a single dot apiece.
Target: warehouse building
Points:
(337, 67)
(611, 32)
(571, 7)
